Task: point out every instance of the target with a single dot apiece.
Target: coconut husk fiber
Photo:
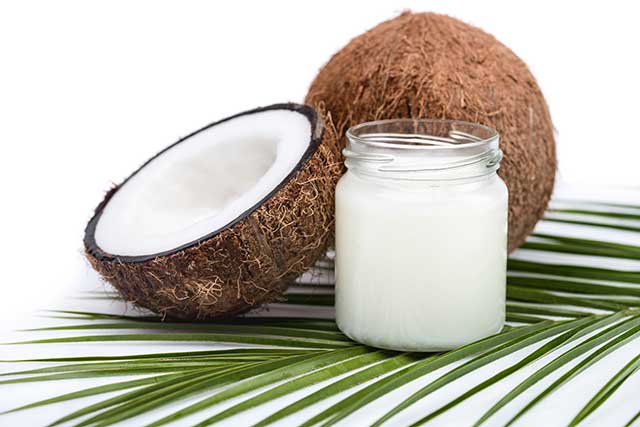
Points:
(425, 65)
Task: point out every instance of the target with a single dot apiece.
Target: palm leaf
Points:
(227, 353)
(578, 271)
(609, 347)
(162, 390)
(579, 311)
(200, 337)
(298, 383)
(513, 307)
(424, 367)
(389, 365)
(593, 224)
(583, 287)
(92, 391)
(572, 334)
(484, 359)
(609, 388)
(92, 374)
(633, 420)
(631, 326)
(590, 203)
(208, 327)
(599, 213)
(254, 383)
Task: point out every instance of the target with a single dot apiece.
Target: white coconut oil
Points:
(421, 235)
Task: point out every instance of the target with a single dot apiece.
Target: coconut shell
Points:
(250, 261)
(426, 65)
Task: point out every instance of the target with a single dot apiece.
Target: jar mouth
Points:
(423, 149)
(422, 134)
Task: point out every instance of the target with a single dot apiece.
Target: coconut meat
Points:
(203, 183)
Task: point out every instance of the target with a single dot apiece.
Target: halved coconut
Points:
(222, 220)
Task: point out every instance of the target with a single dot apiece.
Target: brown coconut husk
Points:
(426, 65)
(249, 262)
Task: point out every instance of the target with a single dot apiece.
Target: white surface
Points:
(89, 91)
(203, 183)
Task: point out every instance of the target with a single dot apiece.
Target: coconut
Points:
(222, 220)
(426, 65)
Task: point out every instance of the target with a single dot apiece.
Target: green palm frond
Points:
(609, 388)
(562, 317)
(633, 420)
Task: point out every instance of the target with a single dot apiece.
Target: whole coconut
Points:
(425, 65)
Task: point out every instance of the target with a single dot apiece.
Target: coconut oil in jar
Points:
(421, 235)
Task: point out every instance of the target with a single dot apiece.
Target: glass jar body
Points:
(420, 265)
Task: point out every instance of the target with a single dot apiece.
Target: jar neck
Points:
(468, 184)
(436, 151)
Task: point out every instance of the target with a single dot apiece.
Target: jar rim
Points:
(461, 140)
(423, 149)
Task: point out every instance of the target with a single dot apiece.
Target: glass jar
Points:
(421, 235)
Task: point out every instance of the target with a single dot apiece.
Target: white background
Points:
(89, 90)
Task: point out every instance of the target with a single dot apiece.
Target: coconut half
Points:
(222, 220)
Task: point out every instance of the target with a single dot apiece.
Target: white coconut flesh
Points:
(203, 183)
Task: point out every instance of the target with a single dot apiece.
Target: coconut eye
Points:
(227, 205)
